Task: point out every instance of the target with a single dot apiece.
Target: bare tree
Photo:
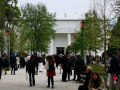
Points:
(116, 7)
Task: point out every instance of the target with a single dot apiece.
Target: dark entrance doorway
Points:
(60, 50)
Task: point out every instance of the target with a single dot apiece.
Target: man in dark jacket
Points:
(57, 60)
(79, 67)
(22, 62)
(30, 68)
(13, 63)
(6, 63)
(114, 69)
(64, 63)
(36, 63)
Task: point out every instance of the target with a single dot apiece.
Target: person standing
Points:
(6, 63)
(50, 70)
(17, 61)
(114, 69)
(69, 71)
(40, 62)
(1, 65)
(64, 63)
(13, 63)
(60, 62)
(36, 63)
(79, 67)
(43, 59)
(57, 60)
(30, 68)
(27, 58)
(22, 61)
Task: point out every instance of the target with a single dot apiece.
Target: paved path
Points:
(18, 82)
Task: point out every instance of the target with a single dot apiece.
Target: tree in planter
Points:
(37, 28)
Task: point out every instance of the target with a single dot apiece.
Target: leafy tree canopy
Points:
(37, 28)
(115, 35)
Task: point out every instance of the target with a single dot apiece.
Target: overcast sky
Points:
(73, 8)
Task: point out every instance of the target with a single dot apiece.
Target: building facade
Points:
(65, 32)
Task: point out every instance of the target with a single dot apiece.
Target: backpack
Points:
(51, 67)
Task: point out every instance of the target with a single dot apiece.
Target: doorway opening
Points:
(60, 50)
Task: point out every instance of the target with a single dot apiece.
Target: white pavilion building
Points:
(65, 31)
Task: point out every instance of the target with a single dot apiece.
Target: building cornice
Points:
(68, 19)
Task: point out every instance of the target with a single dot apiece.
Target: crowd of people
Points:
(69, 65)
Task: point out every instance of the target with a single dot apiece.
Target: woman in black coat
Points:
(30, 68)
(6, 63)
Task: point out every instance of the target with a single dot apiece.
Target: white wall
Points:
(63, 27)
(60, 41)
(67, 26)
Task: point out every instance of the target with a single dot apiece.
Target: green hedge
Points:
(100, 70)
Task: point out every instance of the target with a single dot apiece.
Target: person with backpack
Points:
(50, 70)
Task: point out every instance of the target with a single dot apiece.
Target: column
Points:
(69, 39)
(51, 47)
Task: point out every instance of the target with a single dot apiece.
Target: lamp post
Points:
(82, 29)
(8, 43)
(75, 44)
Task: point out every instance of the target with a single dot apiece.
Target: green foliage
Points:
(2, 41)
(100, 70)
(9, 15)
(13, 41)
(36, 28)
(114, 41)
(92, 33)
(71, 48)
